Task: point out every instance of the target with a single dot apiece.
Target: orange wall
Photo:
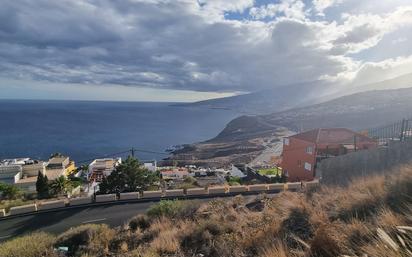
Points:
(294, 158)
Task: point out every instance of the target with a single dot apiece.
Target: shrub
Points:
(297, 226)
(7, 204)
(233, 181)
(90, 238)
(325, 243)
(9, 191)
(399, 188)
(203, 238)
(277, 249)
(139, 221)
(166, 242)
(33, 245)
(173, 209)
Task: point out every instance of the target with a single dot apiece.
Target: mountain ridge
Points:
(296, 95)
(357, 111)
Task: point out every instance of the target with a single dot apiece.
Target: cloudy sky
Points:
(186, 50)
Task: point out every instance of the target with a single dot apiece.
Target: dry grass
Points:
(90, 239)
(33, 245)
(370, 217)
(166, 242)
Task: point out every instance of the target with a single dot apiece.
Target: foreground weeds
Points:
(370, 217)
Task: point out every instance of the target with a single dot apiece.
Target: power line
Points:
(131, 151)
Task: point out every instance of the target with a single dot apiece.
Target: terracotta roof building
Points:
(302, 152)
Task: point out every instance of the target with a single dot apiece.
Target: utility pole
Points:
(132, 151)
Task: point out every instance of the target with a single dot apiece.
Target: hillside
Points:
(370, 217)
(297, 95)
(244, 138)
(267, 101)
(358, 111)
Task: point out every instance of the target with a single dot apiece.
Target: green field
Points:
(271, 171)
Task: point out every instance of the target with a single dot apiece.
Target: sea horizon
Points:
(85, 129)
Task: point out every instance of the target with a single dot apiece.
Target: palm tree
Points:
(60, 186)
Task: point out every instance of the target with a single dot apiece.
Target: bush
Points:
(204, 238)
(233, 181)
(297, 225)
(9, 191)
(400, 190)
(7, 204)
(90, 238)
(173, 209)
(139, 221)
(33, 245)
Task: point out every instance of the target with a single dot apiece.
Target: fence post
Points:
(402, 130)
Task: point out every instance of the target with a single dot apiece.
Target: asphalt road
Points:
(56, 222)
(60, 221)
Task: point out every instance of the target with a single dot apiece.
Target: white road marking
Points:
(91, 221)
(4, 237)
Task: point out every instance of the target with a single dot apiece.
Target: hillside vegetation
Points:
(370, 217)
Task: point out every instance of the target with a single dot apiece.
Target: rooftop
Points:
(332, 136)
(57, 160)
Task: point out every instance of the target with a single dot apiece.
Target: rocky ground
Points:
(221, 151)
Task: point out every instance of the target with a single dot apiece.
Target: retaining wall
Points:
(129, 196)
(293, 186)
(217, 190)
(237, 189)
(23, 209)
(80, 200)
(105, 198)
(174, 192)
(52, 205)
(276, 186)
(196, 191)
(256, 188)
(152, 194)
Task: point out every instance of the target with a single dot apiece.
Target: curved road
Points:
(55, 222)
(59, 221)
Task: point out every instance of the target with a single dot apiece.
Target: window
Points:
(308, 166)
(286, 141)
(309, 150)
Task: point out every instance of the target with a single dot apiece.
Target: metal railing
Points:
(398, 131)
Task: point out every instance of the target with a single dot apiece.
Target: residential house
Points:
(302, 152)
(174, 173)
(101, 168)
(60, 166)
(150, 165)
(22, 172)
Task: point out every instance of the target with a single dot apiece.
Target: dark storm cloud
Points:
(163, 44)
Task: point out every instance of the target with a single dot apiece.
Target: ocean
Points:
(87, 129)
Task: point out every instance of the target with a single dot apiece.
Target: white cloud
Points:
(189, 45)
(321, 5)
(370, 72)
(294, 9)
(360, 32)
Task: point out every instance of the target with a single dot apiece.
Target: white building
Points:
(150, 165)
(21, 172)
(235, 172)
(10, 174)
(100, 168)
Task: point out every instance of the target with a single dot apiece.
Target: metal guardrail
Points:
(147, 196)
(398, 131)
